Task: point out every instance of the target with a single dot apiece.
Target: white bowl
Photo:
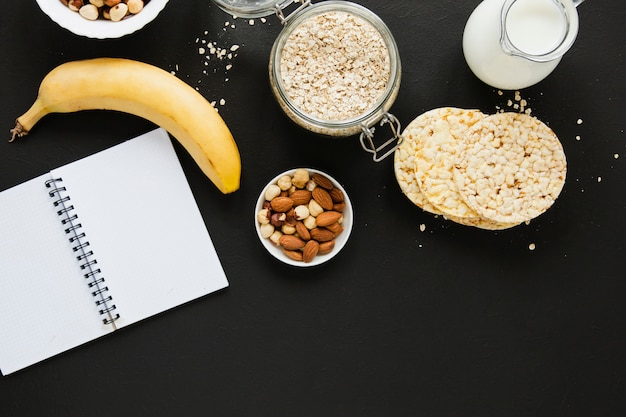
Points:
(100, 29)
(340, 240)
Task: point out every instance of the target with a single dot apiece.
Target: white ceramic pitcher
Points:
(513, 44)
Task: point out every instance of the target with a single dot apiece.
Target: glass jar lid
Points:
(256, 8)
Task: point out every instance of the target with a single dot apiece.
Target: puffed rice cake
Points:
(438, 142)
(512, 168)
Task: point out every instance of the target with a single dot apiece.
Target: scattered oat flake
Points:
(579, 121)
(251, 22)
(616, 155)
(531, 246)
(222, 102)
(577, 137)
(599, 179)
(422, 227)
(234, 48)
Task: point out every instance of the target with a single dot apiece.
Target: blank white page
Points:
(144, 226)
(45, 306)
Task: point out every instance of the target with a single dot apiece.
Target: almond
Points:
(336, 195)
(296, 255)
(326, 247)
(300, 197)
(336, 228)
(291, 242)
(322, 181)
(323, 198)
(339, 206)
(327, 217)
(281, 204)
(310, 250)
(322, 234)
(302, 231)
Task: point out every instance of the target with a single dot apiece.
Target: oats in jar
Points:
(335, 66)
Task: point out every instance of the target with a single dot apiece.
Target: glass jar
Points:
(377, 90)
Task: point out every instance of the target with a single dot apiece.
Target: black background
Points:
(449, 321)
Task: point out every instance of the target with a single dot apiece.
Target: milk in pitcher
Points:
(532, 30)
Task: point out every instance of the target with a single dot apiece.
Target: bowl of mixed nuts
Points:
(303, 217)
(102, 19)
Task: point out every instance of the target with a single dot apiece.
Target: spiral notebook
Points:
(97, 245)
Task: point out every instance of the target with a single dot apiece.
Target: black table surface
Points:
(445, 321)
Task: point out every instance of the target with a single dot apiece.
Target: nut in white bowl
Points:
(292, 234)
(100, 28)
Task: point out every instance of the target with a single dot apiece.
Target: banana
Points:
(146, 91)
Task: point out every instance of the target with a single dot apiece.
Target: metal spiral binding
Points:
(93, 275)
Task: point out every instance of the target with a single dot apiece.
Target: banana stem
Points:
(18, 131)
(25, 122)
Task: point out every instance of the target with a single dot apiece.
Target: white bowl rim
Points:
(100, 29)
(340, 241)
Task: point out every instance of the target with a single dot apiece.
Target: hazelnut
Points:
(272, 192)
(300, 178)
(118, 12)
(266, 230)
(263, 216)
(278, 219)
(89, 12)
(284, 182)
(75, 5)
(134, 6)
(301, 212)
